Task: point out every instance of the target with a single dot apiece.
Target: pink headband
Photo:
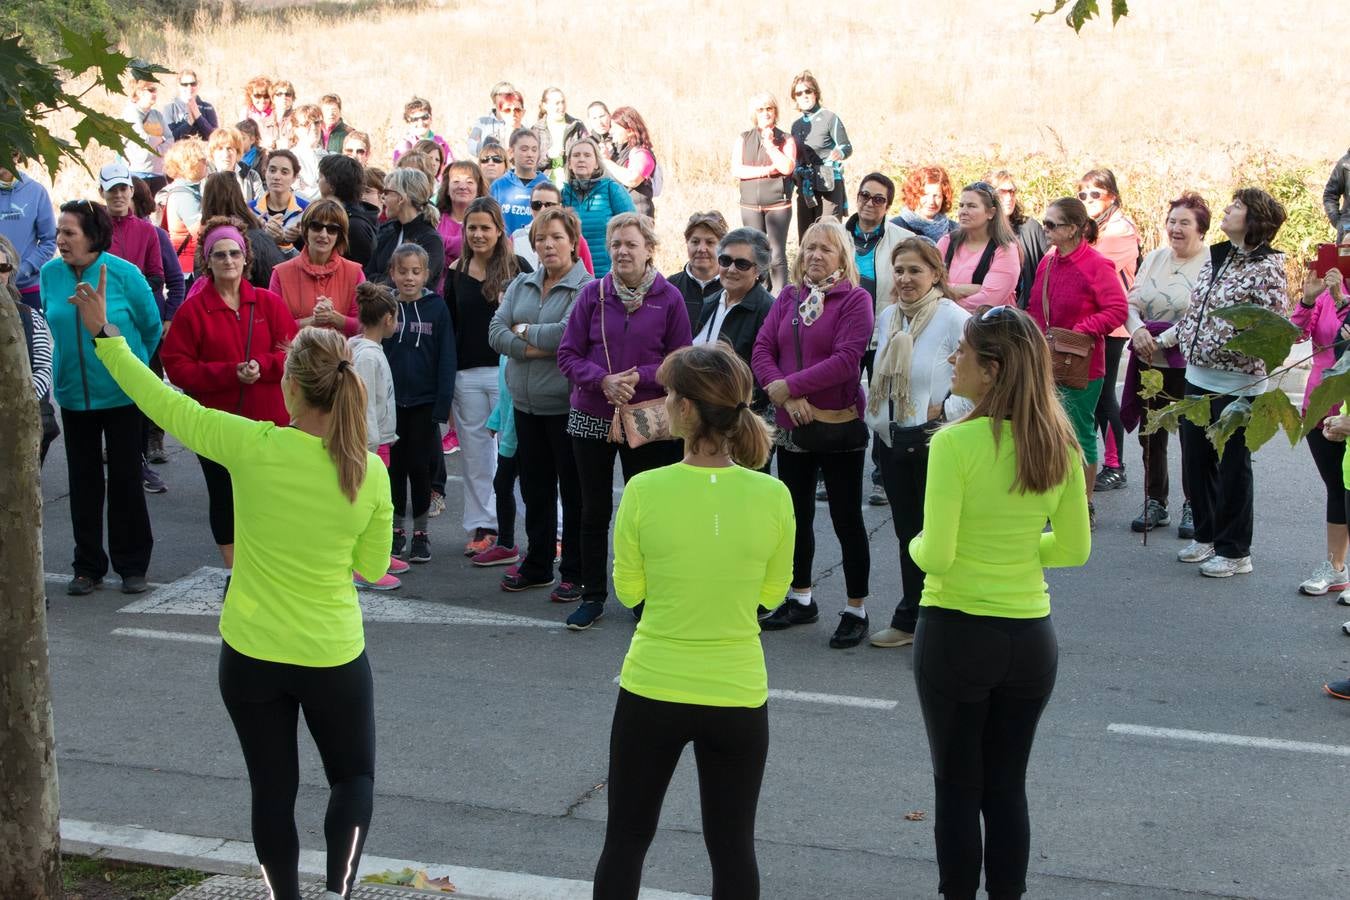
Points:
(224, 231)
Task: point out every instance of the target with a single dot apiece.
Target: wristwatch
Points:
(519, 328)
(109, 330)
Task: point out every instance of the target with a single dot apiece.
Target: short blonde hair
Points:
(184, 157)
(833, 233)
(226, 137)
(763, 99)
(642, 223)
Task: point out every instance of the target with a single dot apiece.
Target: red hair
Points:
(919, 179)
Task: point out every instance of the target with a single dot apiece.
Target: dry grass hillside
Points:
(1196, 94)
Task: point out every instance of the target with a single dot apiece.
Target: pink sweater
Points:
(1000, 282)
(1086, 295)
(1321, 322)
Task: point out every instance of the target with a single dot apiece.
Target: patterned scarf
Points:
(583, 186)
(890, 372)
(811, 306)
(632, 297)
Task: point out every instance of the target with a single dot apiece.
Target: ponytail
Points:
(320, 365)
(750, 439)
(719, 385)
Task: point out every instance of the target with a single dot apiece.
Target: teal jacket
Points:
(601, 203)
(503, 417)
(80, 382)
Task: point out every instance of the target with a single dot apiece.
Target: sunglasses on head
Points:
(330, 227)
(537, 205)
(1094, 194)
(996, 313)
(484, 160)
(727, 261)
(867, 197)
(982, 187)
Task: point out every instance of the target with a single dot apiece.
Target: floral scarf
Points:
(813, 304)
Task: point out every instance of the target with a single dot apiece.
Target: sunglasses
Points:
(1047, 225)
(420, 117)
(484, 160)
(537, 205)
(260, 96)
(1095, 195)
(6, 268)
(330, 227)
(283, 93)
(727, 261)
(804, 92)
(511, 109)
(187, 84)
(867, 197)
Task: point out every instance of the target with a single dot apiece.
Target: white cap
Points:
(113, 174)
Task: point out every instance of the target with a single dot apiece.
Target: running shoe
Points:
(877, 498)
(1110, 478)
(481, 541)
(496, 555)
(891, 637)
(513, 582)
(1338, 689)
(450, 443)
(151, 481)
(1226, 567)
(852, 629)
(397, 566)
(1195, 552)
(437, 505)
(1325, 578)
(82, 585)
(566, 592)
(386, 583)
(1155, 515)
(421, 548)
(155, 451)
(790, 613)
(585, 615)
(400, 543)
(1186, 528)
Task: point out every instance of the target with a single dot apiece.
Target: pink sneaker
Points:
(496, 555)
(397, 566)
(450, 443)
(387, 583)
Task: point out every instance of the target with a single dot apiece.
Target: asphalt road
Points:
(494, 721)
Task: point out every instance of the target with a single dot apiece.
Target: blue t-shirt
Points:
(514, 197)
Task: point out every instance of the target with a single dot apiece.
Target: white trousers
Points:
(475, 396)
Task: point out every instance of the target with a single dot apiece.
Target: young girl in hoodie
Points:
(421, 355)
(378, 313)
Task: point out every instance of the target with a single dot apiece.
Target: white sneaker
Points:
(1346, 627)
(891, 637)
(1225, 567)
(1195, 552)
(1344, 598)
(1325, 578)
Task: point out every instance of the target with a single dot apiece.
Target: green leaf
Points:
(98, 52)
(1119, 10)
(1333, 391)
(1168, 418)
(1082, 10)
(1262, 334)
(1234, 416)
(1272, 411)
(1150, 383)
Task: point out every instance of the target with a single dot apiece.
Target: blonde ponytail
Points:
(750, 440)
(320, 365)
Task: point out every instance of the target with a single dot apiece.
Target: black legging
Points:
(983, 682)
(409, 462)
(774, 223)
(731, 744)
(843, 474)
(1108, 404)
(219, 500)
(504, 491)
(264, 700)
(904, 473)
(1328, 456)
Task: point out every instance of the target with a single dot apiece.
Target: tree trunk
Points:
(30, 838)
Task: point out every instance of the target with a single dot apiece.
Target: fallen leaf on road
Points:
(413, 879)
(917, 815)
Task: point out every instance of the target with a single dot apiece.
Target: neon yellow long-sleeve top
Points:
(704, 547)
(298, 537)
(984, 547)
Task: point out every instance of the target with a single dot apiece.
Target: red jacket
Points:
(1086, 295)
(206, 344)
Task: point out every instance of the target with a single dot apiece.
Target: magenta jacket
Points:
(1086, 295)
(642, 339)
(830, 376)
(1321, 322)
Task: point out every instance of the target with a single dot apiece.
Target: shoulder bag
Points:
(1070, 351)
(636, 423)
(821, 436)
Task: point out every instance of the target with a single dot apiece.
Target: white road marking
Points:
(233, 857)
(112, 581)
(827, 699)
(1231, 740)
(190, 637)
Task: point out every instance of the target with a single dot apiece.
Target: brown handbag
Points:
(636, 423)
(1070, 351)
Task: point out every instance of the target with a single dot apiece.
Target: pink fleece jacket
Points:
(1000, 282)
(1321, 322)
(1086, 295)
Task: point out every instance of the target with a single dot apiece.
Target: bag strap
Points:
(986, 260)
(951, 252)
(603, 339)
(1045, 292)
(797, 339)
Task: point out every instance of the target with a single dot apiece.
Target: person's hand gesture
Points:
(1335, 284)
(290, 235)
(1336, 428)
(248, 372)
(92, 302)
(619, 387)
(778, 392)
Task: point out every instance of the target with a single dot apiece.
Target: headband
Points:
(224, 231)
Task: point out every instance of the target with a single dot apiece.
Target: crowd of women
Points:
(506, 285)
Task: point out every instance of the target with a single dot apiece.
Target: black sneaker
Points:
(83, 585)
(877, 498)
(400, 543)
(1110, 479)
(1186, 527)
(514, 582)
(1338, 689)
(1155, 515)
(585, 615)
(852, 629)
(565, 592)
(421, 548)
(134, 584)
(789, 614)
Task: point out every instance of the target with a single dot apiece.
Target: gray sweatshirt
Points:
(369, 361)
(537, 386)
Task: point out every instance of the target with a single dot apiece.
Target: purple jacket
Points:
(642, 339)
(830, 376)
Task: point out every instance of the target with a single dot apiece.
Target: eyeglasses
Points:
(867, 197)
(420, 117)
(727, 261)
(187, 84)
(330, 227)
(1095, 195)
(223, 255)
(484, 160)
(537, 205)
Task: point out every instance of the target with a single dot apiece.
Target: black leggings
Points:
(220, 500)
(264, 700)
(1108, 404)
(1328, 455)
(843, 474)
(504, 490)
(775, 223)
(731, 744)
(983, 682)
(409, 462)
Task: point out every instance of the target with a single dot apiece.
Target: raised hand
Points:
(92, 302)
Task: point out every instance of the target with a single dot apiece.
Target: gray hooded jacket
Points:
(537, 386)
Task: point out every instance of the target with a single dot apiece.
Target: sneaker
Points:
(437, 505)
(134, 584)
(1338, 689)
(822, 495)
(1155, 515)
(155, 451)
(1110, 478)
(450, 443)
(790, 613)
(1092, 516)
(585, 615)
(566, 592)
(1226, 567)
(763, 612)
(151, 481)
(481, 541)
(514, 582)
(397, 566)
(878, 498)
(1325, 578)
(421, 548)
(496, 555)
(891, 637)
(386, 583)
(83, 585)
(400, 543)
(1186, 528)
(1195, 552)
(1345, 627)
(852, 629)
(1344, 598)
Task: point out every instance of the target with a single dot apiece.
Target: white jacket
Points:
(370, 363)
(890, 237)
(930, 375)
